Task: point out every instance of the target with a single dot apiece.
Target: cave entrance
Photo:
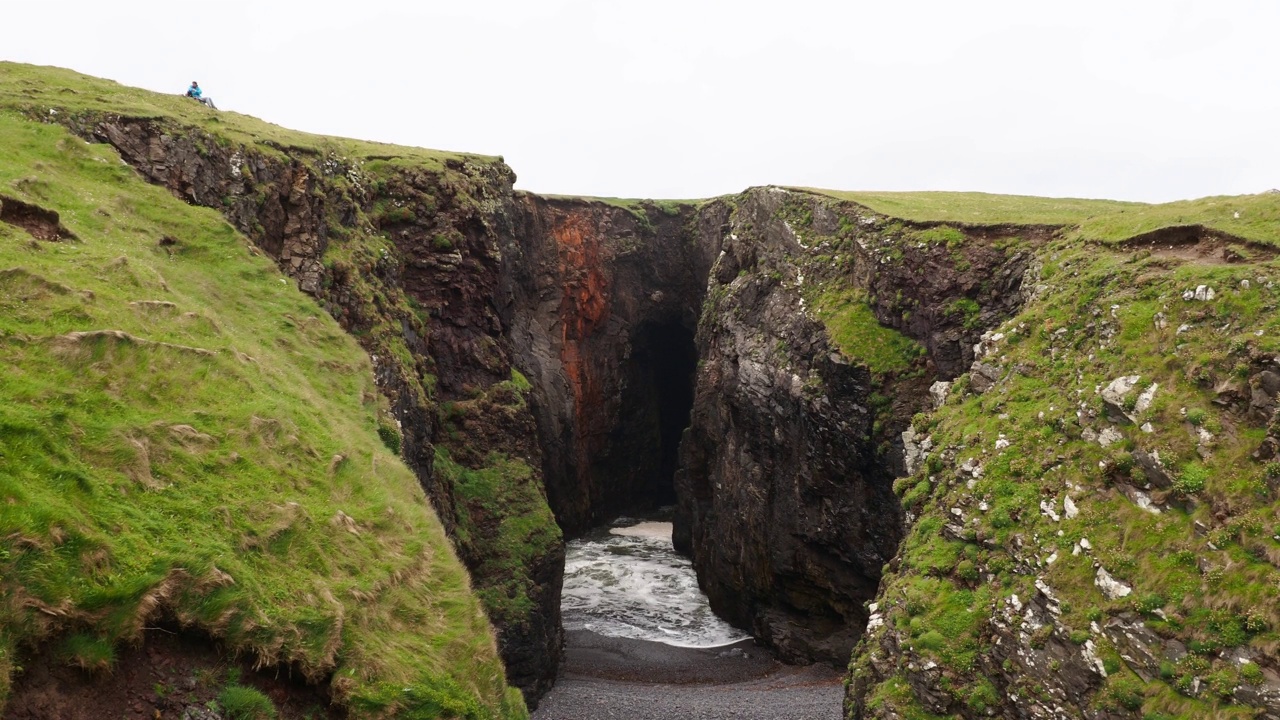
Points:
(672, 357)
(656, 402)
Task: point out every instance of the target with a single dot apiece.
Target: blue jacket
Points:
(194, 91)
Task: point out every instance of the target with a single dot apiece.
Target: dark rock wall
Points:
(590, 290)
(781, 504)
(785, 485)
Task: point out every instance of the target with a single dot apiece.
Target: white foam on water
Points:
(630, 582)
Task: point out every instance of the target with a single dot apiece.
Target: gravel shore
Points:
(605, 677)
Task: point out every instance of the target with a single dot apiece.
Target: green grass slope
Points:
(183, 434)
(32, 89)
(1251, 217)
(1202, 562)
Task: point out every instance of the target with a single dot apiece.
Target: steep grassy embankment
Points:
(1094, 528)
(399, 245)
(1255, 218)
(183, 435)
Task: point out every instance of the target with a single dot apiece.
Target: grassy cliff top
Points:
(1251, 217)
(183, 434)
(37, 89)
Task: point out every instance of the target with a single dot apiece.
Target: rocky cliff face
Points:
(631, 323)
(1040, 467)
(601, 303)
(406, 259)
(785, 499)
(1081, 525)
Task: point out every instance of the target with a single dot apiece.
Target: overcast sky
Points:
(1142, 100)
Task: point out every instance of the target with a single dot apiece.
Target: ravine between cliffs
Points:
(604, 358)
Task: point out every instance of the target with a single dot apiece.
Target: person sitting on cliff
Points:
(195, 93)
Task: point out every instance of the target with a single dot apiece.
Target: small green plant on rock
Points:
(246, 703)
(1192, 479)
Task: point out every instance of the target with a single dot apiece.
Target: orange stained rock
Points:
(584, 308)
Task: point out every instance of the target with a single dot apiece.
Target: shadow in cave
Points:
(656, 402)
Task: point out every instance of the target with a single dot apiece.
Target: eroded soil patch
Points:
(1201, 245)
(173, 675)
(40, 223)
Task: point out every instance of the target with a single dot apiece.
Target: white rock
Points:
(1148, 427)
(1112, 588)
(1182, 328)
(1069, 509)
(914, 449)
(1047, 507)
(1051, 559)
(876, 620)
(1121, 386)
(1109, 436)
(1090, 654)
(1002, 442)
(1084, 543)
(1143, 501)
(1045, 590)
(1204, 293)
(1144, 400)
(939, 391)
(1244, 284)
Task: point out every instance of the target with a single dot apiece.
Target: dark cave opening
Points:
(673, 359)
(656, 403)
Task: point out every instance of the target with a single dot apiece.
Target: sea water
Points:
(628, 581)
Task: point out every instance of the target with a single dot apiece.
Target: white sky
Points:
(1130, 99)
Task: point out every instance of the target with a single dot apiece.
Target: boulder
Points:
(1112, 588)
(1113, 398)
(983, 375)
(938, 391)
(1153, 469)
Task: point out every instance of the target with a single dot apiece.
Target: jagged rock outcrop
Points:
(782, 507)
(784, 489)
